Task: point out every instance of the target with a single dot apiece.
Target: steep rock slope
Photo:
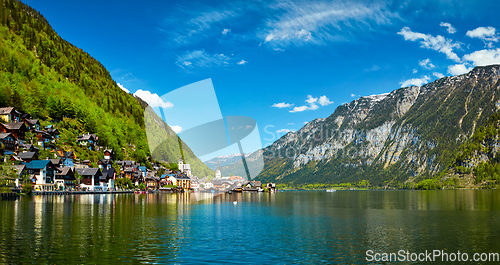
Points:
(406, 135)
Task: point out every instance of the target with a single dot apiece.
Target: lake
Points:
(286, 227)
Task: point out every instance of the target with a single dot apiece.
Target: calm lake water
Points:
(286, 227)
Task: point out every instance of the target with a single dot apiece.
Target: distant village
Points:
(63, 172)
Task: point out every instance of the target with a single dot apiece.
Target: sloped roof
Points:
(44, 133)
(18, 168)
(15, 125)
(105, 161)
(55, 161)
(7, 110)
(86, 137)
(33, 121)
(38, 164)
(107, 173)
(64, 171)
(88, 171)
(5, 135)
(29, 147)
(26, 155)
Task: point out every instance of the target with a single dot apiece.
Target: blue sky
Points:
(282, 63)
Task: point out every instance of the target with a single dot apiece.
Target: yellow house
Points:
(8, 115)
(181, 181)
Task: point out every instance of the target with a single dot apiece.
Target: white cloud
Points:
(323, 101)
(313, 103)
(458, 69)
(199, 58)
(301, 22)
(448, 27)
(426, 64)
(279, 49)
(353, 95)
(415, 71)
(487, 34)
(372, 69)
(226, 31)
(437, 43)
(438, 75)
(299, 109)
(122, 87)
(153, 99)
(176, 128)
(484, 57)
(284, 131)
(282, 105)
(199, 25)
(415, 81)
(242, 62)
(290, 123)
(311, 100)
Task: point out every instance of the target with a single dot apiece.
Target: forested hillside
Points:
(49, 78)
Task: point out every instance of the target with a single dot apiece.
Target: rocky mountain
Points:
(404, 136)
(224, 161)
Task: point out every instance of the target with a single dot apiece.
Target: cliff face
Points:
(408, 134)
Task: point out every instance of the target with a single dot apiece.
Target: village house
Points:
(108, 154)
(9, 114)
(42, 174)
(18, 130)
(107, 179)
(181, 181)
(90, 178)
(43, 139)
(88, 140)
(53, 132)
(32, 124)
(30, 148)
(104, 163)
(9, 143)
(66, 157)
(65, 178)
(152, 182)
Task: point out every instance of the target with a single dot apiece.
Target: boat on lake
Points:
(331, 190)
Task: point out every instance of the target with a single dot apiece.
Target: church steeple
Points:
(217, 172)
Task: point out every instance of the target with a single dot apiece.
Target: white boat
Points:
(332, 190)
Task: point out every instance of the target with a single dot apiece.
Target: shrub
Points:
(27, 188)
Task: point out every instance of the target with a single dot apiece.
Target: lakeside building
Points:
(90, 178)
(42, 174)
(65, 178)
(184, 168)
(59, 169)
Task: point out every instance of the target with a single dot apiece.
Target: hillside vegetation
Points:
(49, 78)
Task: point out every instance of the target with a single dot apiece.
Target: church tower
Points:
(181, 164)
(217, 172)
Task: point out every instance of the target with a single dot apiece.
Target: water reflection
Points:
(287, 227)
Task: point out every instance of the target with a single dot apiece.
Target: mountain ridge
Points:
(403, 136)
